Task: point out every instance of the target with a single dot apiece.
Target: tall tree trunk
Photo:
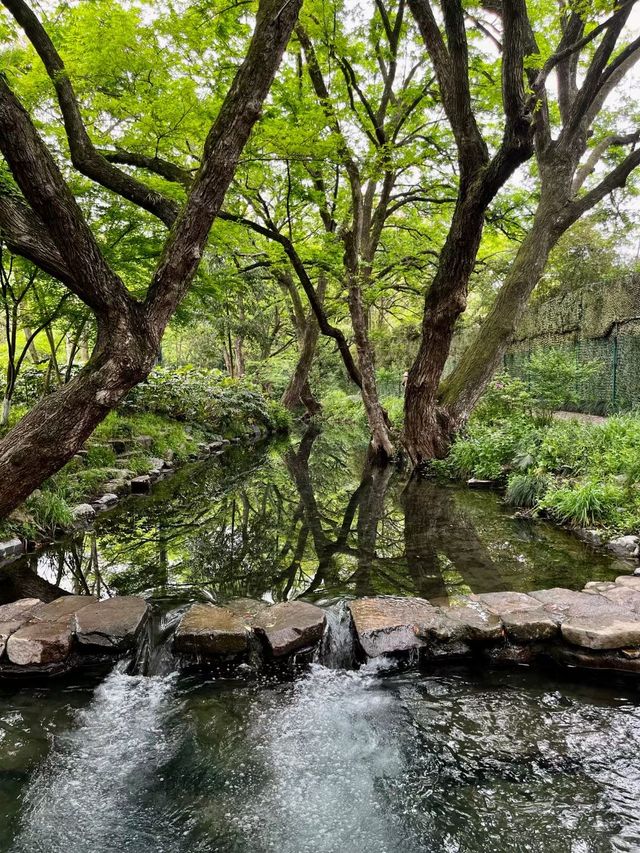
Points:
(467, 381)
(426, 425)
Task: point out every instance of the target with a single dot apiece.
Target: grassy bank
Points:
(170, 418)
(581, 474)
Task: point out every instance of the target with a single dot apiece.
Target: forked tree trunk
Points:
(129, 332)
(435, 422)
(298, 395)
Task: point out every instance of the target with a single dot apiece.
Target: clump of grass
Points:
(585, 503)
(526, 489)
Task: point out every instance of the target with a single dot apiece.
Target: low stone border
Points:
(45, 639)
(597, 628)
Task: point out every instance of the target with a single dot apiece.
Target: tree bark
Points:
(129, 332)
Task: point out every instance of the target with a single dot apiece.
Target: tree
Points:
(589, 66)
(43, 221)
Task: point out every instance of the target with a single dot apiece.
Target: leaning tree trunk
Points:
(464, 386)
(49, 435)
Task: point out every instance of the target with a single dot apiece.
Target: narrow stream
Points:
(338, 759)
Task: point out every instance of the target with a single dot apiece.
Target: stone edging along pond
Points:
(598, 628)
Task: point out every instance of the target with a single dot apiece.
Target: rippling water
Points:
(336, 761)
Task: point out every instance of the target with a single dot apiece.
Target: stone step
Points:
(210, 631)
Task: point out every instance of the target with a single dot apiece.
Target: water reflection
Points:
(308, 517)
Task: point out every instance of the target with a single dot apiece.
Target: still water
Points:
(308, 518)
(366, 761)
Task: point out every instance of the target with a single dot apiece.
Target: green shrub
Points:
(50, 511)
(206, 398)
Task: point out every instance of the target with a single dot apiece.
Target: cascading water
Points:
(337, 759)
(96, 789)
(337, 648)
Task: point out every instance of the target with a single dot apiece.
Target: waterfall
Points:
(337, 648)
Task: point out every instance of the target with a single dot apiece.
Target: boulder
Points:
(625, 546)
(530, 626)
(388, 625)
(206, 629)
(141, 485)
(11, 547)
(112, 624)
(290, 626)
(83, 513)
(144, 441)
(105, 502)
(39, 643)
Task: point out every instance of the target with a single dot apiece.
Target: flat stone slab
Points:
(112, 624)
(388, 625)
(475, 623)
(632, 581)
(206, 629)
(606, 630)
(290, 626)
(39, 643)
(62, 609)
(506, 602)
(530, 626)
(568, 602)
(20, 609)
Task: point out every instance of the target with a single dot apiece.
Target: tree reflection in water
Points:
(308, 517)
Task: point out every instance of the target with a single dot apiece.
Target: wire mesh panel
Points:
(613, 384)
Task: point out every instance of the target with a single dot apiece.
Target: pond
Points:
(464, 761)
(308, 518)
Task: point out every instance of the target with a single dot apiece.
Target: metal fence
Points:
(615, 384)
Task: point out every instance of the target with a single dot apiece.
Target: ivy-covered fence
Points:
(597, 325)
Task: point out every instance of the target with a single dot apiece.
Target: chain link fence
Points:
(615, 384)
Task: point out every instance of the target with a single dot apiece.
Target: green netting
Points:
(615, 385)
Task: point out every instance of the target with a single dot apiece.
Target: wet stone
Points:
(475, 622)
(607, 630)
(530, 626)
(39, 643)
(388, 625)
(112, 624)
(206, 629)
(290, 626)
